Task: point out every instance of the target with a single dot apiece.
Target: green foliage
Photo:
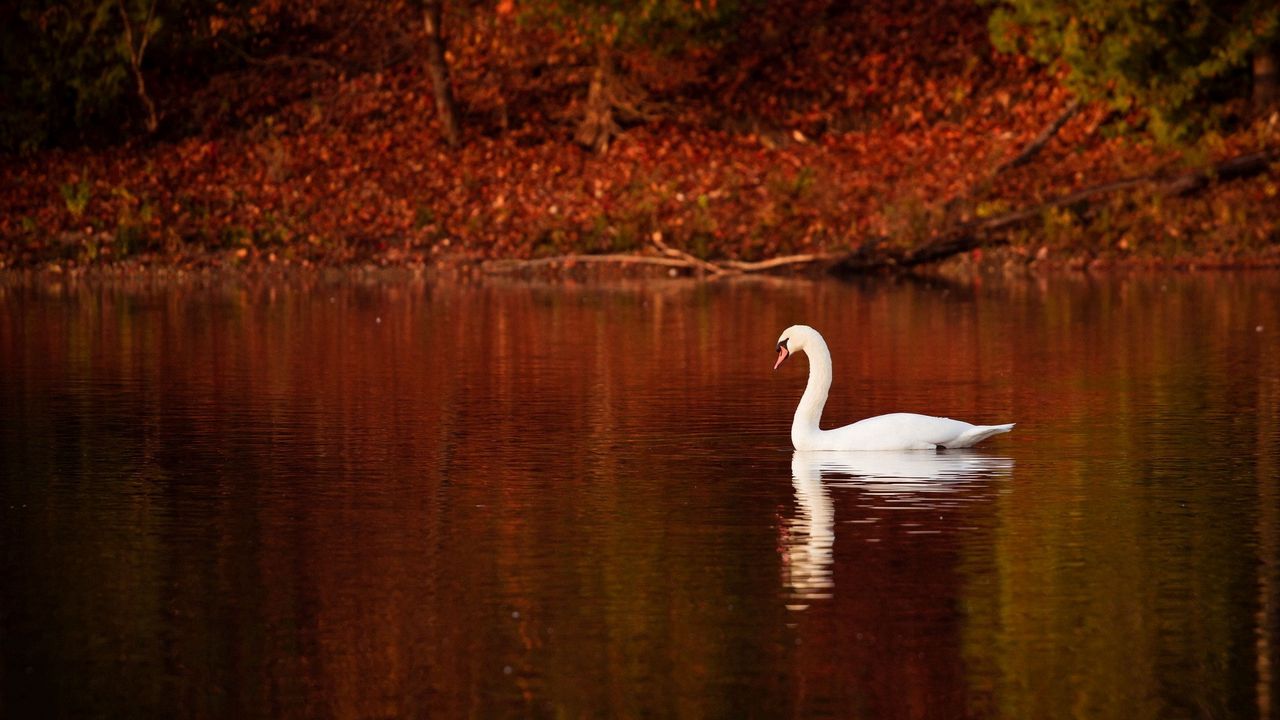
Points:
(793, 187)
(1174, 60)
(76, 195)
(65, 66)
(133, 216)
(60, 67)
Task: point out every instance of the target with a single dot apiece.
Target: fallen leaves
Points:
(806, 144)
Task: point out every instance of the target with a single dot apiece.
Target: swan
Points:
(896, 431)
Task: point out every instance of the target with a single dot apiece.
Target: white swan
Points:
(896, 431)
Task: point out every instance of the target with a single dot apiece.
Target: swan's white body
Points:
(896, 431)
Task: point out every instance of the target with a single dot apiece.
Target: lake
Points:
(374, 499)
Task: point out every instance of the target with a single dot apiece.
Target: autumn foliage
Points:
(812, 126)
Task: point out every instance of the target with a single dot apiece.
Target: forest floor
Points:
(803, 139)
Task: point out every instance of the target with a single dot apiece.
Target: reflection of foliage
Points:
(1129, 576)
(1121, 575)
(1172, 58)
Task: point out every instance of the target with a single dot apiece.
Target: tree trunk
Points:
(598, 125)
(1264, 80)
(137, 50)
(446, 109)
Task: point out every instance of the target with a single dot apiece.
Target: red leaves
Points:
(814, 141)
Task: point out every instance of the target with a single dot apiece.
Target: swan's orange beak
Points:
(782, 355)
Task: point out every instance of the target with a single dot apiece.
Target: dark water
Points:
(400, 500)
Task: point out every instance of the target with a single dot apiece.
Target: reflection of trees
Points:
(325, 491)
(1121, 588)
(1267, 617)
(379, 504)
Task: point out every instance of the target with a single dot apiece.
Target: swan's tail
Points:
(979, 433)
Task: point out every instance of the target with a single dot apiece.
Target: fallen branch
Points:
(671, 258)
(513, 266)
(1236, 168)
(692, 260)
(882, 254)
(774, 263)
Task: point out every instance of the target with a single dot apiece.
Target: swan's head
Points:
(795, 339)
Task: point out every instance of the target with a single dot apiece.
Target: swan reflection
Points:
(918, 478)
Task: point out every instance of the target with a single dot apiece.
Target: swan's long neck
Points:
(809, 411)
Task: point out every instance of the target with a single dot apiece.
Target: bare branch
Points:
(1035, 146)
(880, 254)
(146, 34)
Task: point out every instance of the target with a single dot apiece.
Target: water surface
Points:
(339, 499)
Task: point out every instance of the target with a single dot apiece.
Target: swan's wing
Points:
(901, 431)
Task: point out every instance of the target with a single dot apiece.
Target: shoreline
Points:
(1010, 263)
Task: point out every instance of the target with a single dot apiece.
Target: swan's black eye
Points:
(782, 344)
